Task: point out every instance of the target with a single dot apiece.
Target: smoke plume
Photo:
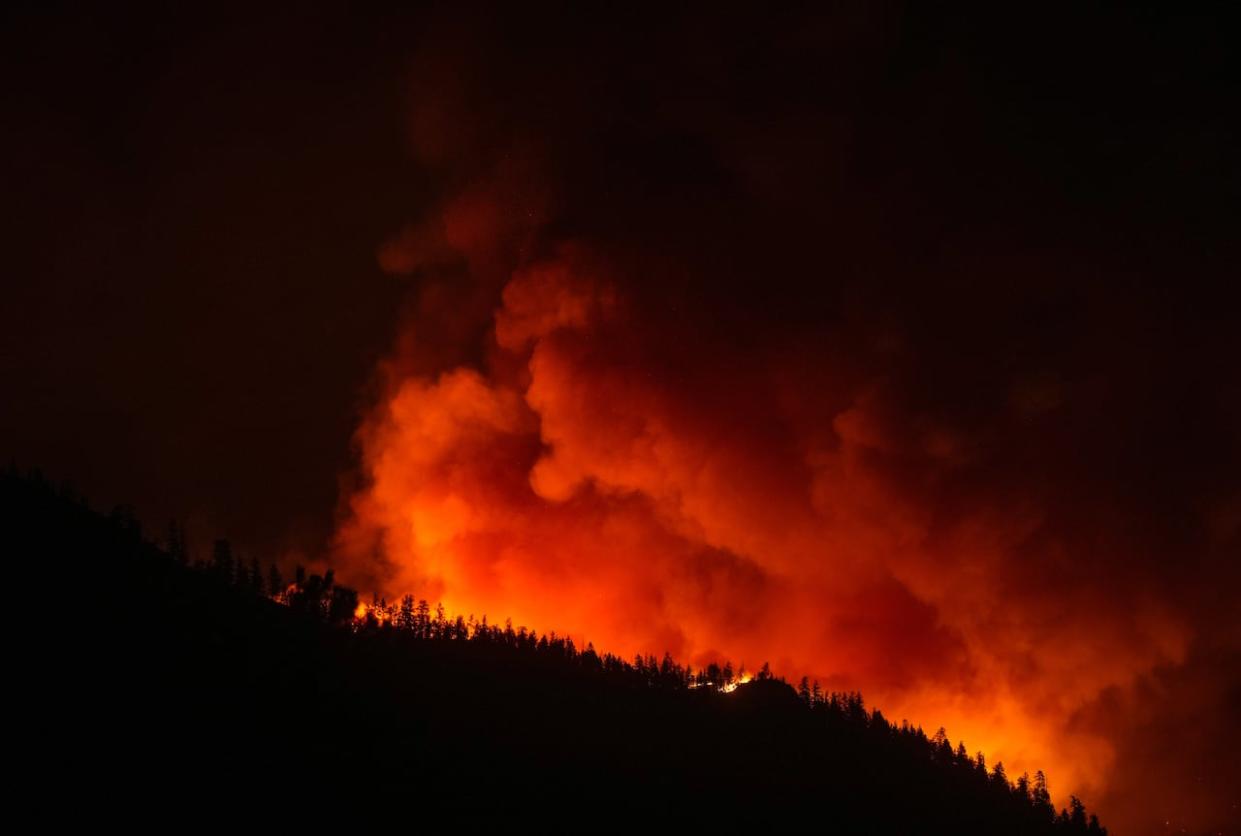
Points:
(802, 342)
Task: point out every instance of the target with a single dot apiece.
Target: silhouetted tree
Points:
(803, 690)
(275, 583)
(422, 619)
(1077, 813)
(1041, 797)
(1022, 787)
(176, 542)
(405, 619)
(256, 576)
(222, 560)
(343, 603)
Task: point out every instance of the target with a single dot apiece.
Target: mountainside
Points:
(156, 682)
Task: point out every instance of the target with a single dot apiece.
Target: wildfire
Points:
(411, 616)
(620, 467)
(378, 612)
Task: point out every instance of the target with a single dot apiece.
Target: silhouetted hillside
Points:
(161, 684)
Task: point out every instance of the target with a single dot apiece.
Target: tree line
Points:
(320, 597)
(307, 643)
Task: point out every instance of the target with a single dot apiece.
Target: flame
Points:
(729, 687)
(380, 613)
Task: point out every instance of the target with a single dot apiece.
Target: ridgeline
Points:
(214, 688)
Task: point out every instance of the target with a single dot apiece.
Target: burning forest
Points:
(885, 346)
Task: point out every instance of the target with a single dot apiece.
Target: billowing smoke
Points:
(800, 347)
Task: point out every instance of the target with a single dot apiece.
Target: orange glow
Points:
(379, 612)
(747, 511)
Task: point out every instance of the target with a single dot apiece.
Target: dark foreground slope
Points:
(161, 690)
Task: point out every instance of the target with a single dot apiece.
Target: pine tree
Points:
(222, 560)
(422, 618)
(256, 577)
(275, 583)
(405, 618)
(1040, 796)
(1077, 812)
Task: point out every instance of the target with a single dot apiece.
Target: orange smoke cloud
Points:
(597, 489)
(676, 388)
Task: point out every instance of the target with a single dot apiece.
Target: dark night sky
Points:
(193, 305)
(994, 251)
